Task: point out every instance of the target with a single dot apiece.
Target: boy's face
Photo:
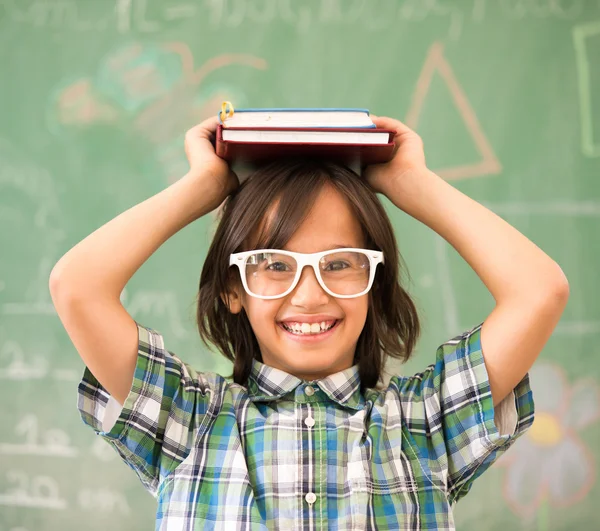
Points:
(331, 223)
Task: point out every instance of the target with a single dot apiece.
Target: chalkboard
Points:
(95, 98)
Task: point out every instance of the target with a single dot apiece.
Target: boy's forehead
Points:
(330, 222)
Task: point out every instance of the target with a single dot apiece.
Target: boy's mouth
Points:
(308, 329)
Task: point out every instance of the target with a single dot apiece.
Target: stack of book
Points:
(254, 136)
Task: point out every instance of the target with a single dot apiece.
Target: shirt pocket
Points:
(376, 485)
(389, 472)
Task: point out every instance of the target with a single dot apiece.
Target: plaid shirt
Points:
(287, 454)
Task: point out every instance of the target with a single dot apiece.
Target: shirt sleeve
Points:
(168, 406)
(449, 411)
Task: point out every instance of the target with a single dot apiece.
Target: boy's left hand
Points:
(408, 156)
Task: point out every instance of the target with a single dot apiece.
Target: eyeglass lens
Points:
(272, 274)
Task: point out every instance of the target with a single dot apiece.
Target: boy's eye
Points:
(336, 265)
(277, 266)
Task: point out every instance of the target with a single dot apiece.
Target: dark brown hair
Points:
(286, 190)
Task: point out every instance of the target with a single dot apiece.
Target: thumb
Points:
(204, 130)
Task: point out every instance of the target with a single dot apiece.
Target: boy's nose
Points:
(309, 292)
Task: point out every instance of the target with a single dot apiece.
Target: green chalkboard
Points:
(95, 97)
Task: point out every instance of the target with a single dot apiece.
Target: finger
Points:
(383, 122)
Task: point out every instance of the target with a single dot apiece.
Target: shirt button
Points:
(309, 390)
(309, 421)
(310, 497)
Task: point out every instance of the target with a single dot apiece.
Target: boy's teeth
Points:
(308, 328)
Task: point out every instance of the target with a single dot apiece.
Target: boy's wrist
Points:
(407, 188)
(199, 193)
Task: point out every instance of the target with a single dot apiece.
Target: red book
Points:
(350, 145)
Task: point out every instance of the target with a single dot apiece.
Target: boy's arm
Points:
(529, 287)
(87, 281)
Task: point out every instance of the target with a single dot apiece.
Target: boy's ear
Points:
(232, 300)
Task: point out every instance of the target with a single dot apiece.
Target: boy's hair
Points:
(264, 213)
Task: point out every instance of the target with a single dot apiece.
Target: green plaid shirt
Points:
(288, 454)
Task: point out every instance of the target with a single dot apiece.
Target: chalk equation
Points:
(33, 441)
(37, 491)
(153, 16)
(14, 365)
(103, 500)
(42, 492)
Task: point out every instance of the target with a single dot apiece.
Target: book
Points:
(306, 135)
(295, 117)
(355, 145)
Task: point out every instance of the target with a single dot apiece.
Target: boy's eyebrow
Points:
(337, 246)
(341, 246)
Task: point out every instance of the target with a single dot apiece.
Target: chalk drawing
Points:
(157, 88)
(582, 34)
(435, 61)
(552, 463)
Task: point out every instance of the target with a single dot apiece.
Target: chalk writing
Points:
(38, 491)
(102, 451)
(51, 442)
(15, 366)
(153, 16)
(104, 500)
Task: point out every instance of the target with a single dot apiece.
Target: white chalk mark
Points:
(28, 308)
(105, 500)
(564, 208)
(577, 328)
(39, 450)
(102, 451)
(448, 297)
(39, 491)
(581, 35)
(180, 11)
(66, 375)
(479, 11)
(53, 442)
(426, 281)
(456, 25)
(33, 502)
(17, 368)
(123, 9)
(158, 303)
(14, 366)
(141, 23)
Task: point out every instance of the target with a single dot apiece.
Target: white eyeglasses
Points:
(273, 273)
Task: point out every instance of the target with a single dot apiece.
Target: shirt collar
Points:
(267, 383)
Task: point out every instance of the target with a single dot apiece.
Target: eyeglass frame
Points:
(306, 259)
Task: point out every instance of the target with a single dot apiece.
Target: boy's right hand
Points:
(204, 162)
